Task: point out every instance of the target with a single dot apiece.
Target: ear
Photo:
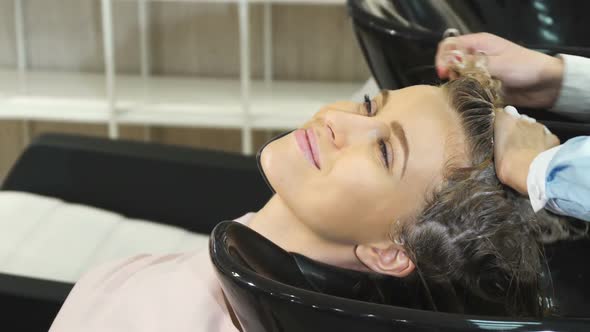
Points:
(386, 258)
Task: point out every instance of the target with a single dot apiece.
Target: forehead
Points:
(421, 106)
(420, 98)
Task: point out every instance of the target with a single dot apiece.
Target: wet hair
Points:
(473, 232)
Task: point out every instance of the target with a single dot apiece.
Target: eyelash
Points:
(368, 104)
(383, 148)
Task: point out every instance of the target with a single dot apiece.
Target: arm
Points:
(559, 179)
(574, 96)
(529, 78)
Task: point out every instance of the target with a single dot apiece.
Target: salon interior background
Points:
(311, 42)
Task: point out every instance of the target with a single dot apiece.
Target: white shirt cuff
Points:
(536, 180)
(573, 96)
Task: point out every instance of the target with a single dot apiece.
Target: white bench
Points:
(46, 238)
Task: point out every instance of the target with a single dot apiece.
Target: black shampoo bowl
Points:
(271, 290)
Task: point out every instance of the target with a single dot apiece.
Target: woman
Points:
(401, 185)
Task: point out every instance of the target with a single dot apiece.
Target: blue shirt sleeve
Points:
(568, 179)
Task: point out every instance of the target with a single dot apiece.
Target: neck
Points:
(276, 222)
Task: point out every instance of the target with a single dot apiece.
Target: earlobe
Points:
(389, 259)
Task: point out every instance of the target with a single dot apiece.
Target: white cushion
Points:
(47, 238)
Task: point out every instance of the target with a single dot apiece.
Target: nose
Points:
(351, 129)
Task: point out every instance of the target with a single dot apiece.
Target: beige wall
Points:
(310, 43)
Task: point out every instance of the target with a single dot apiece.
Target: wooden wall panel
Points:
(226, 140)
(316, 43)
(126, 31)
(64, 34)
(7, 34)
(13, 141)
(219, 139)
(195, 39)
(11, 144)
(310, 42)
(42, 127)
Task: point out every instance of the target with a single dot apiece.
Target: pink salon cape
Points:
(175, 292)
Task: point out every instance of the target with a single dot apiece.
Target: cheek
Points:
(349, 204)
(284, 165)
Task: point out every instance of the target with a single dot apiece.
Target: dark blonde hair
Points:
(475, 233)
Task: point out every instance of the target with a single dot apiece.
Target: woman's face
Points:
(354, 169)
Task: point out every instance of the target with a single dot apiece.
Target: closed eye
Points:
(385, 153)
(370, 109)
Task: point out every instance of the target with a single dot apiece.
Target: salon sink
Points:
(399, 39)
(271, 290)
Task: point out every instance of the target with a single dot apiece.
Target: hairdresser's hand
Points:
(529, 78)
(517, 141)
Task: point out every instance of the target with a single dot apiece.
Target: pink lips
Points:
(306, 140)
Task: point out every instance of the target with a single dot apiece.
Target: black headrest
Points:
(522, 21)
(272, 290)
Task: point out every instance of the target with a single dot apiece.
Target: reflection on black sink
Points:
(399, 38)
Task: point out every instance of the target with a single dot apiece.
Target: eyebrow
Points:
(400, 133)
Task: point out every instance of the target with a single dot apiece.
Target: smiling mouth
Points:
(306, 141)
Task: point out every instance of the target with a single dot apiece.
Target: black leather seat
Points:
(271, 290)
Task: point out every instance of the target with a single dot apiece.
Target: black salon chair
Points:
(399, 39)
(271, 290)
